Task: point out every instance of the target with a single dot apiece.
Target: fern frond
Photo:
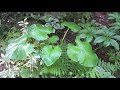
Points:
(117, 65)
(99, 72)
(107, 66)
(63, 67)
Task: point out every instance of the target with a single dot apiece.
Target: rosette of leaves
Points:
(108, 37)
(88, 33)
(82, 53)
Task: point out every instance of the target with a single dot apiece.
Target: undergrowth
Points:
(36, 51)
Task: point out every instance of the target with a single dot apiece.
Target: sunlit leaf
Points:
(50, 54)
(53, 39)
(89, 38)
(74, 52)
(39, 32)
(74, 27)
(19, 51)
(82, 53)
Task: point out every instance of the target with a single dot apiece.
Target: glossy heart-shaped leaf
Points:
(19, 51)
(39, 32)
(74, 52)
(50, 54)
(53, 39)
(74, 27)
(83, 45)
(82, 53)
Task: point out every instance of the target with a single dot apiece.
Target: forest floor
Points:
(100, 17)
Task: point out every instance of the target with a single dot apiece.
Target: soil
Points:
(70, 37)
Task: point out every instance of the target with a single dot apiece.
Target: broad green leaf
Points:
(114, 44)
(83, 45)
(74, 52)
(50, 54)
(74, 27)
(117, 37)
(107, 42)
(111, 33)
(38, 35)
(99, 39)
(21, 39)
(84, 31)
(19, 51)
(53, 39)
(82, 53)
(89, 38)
(25, 72)
(82, 35)
(39, 32)
(100, 32)
(91, 60)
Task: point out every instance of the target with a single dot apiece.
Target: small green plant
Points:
(115, 17)
(52, 21)
(108, 37)
(88, 31)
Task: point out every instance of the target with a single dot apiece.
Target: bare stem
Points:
(65, 35)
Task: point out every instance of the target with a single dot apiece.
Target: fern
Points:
(63, 67)
(103, 70)
(117, 65)
(107, 66)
